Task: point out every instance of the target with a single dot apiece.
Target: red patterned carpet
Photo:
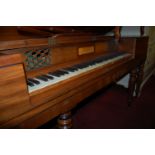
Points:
(107, 109)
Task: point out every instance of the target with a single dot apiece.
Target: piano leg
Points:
(139, 79)
(132, 83)
(65, 121)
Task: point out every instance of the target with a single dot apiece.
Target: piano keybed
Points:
(62, 74)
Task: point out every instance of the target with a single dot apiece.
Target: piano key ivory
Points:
(40, 81)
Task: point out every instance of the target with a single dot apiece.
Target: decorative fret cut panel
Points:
(37, 58)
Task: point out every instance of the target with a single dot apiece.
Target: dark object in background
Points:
(66, 29)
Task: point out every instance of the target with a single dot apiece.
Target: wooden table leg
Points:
(139, 79)
(132, 83)
(65, 121)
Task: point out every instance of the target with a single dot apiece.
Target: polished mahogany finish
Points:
(100, 60)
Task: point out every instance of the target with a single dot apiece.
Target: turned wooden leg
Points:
(132, 83)
(65, 121)
(139, 79)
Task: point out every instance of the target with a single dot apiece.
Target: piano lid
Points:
(9, 33)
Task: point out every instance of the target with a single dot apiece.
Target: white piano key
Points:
(55, 79)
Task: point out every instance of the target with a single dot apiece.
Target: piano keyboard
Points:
(51, 78)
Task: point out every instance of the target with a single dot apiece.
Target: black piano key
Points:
(79, 66)
(92, 63)
(41, 77)
(85, 64)
(51, 73)
(33, 81)
(49, 77)
(65, 72)
(57, 73)
(82, 66)
(98, 61)
(54, 74)
(71, 69)
(76, 66)
(30, 83)
(61, 72)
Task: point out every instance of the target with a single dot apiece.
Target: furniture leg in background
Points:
(132, 84)
(139, 79)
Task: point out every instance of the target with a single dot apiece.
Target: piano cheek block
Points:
(15, 98)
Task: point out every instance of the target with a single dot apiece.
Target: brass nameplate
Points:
(86, 50)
